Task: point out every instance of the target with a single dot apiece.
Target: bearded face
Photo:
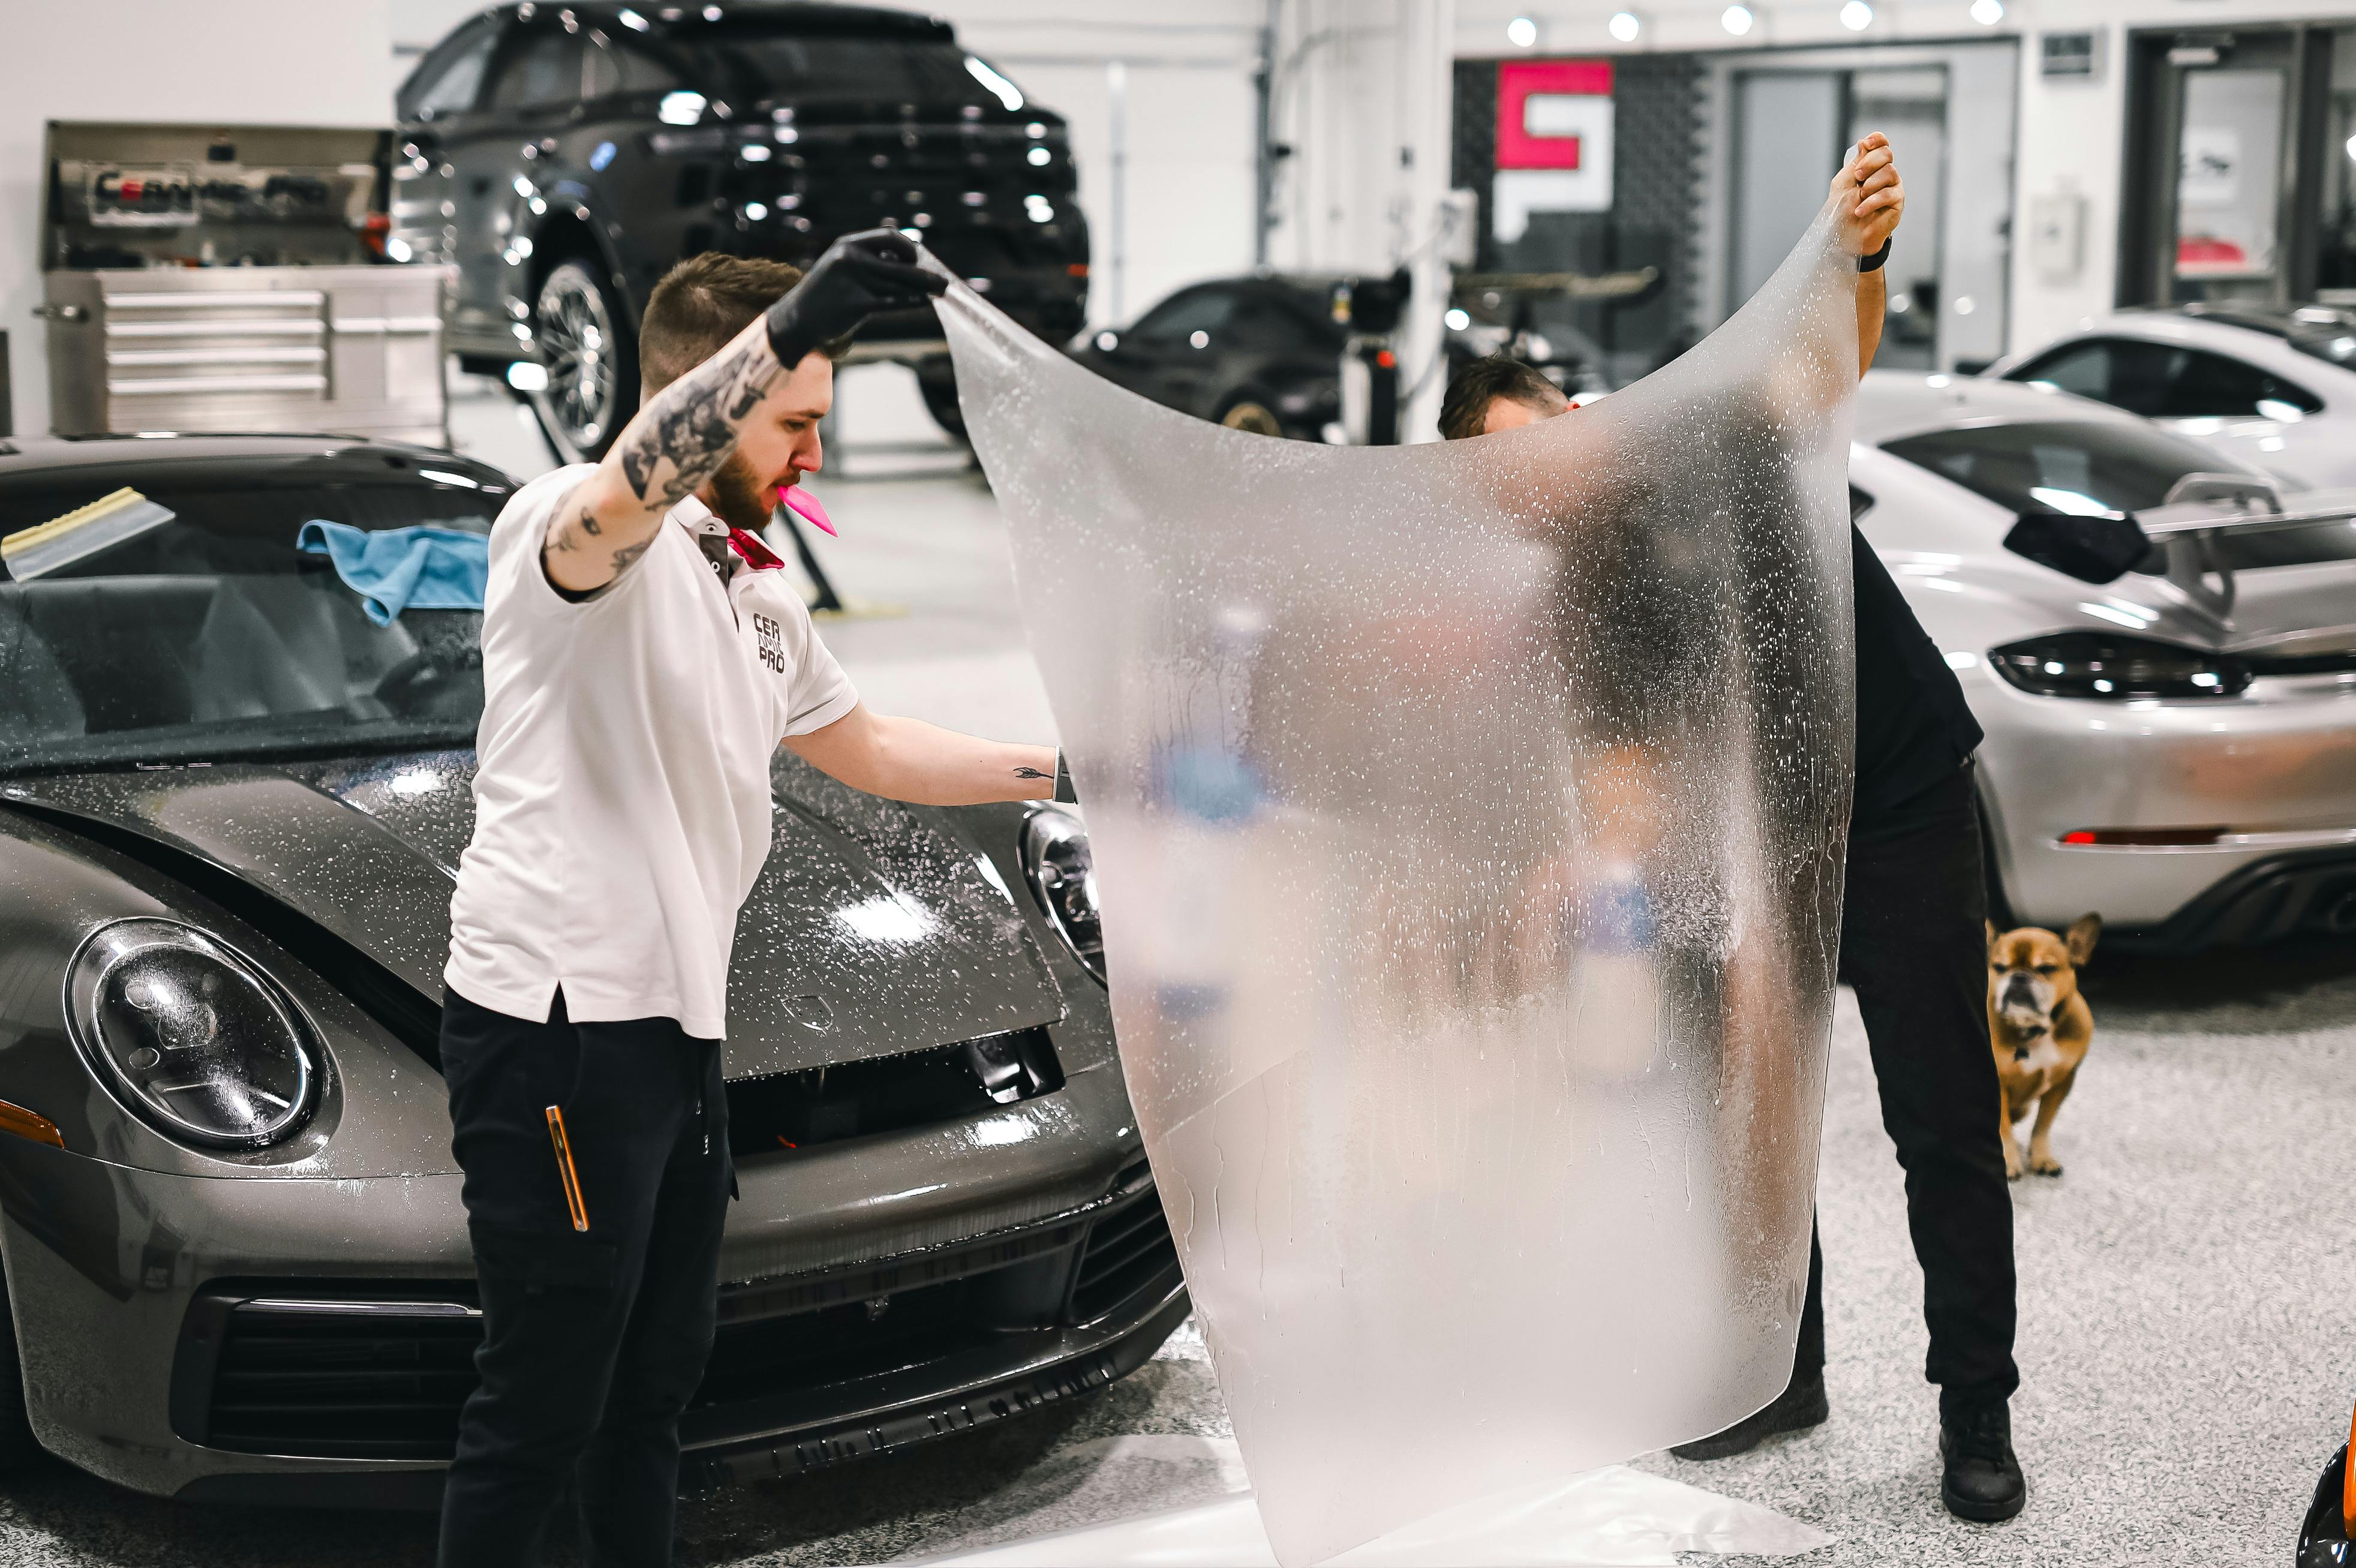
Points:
(739, 497)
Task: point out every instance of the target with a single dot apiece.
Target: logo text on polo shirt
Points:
(772, 648)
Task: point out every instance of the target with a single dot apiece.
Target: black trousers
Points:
(1914, 946)
(594, 1339)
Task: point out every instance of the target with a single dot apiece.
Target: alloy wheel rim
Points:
(576, 343)
(1254, 418)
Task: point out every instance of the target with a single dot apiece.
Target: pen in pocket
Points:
(564, 1170)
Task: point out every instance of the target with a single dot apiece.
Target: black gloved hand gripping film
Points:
(857, 276)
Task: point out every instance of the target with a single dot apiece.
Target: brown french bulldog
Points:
(2039, 1028)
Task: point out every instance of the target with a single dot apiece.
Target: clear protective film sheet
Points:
(1469, 823)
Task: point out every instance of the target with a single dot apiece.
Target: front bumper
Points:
(310, 1342)
(2275, 768)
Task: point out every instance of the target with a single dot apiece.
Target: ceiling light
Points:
(1857, 15)
(1737, 21)
(1522, 33)
(1625, 27)
(1987, 13)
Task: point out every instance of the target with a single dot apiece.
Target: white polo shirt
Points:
(622, 796)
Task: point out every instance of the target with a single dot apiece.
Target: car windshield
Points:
(2079, 466)
(2085, 468)
(850, 70)
(167, 616)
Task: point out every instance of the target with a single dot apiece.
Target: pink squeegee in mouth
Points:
(805, 505)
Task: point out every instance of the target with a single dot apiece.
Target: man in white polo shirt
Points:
(642, 659)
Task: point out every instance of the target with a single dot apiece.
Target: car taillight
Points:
(2098, 665)
(2145, 838)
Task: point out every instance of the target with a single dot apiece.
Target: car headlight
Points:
(1062, 876)
(191, 1035)
(2100, 666)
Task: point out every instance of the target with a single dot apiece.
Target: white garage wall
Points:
(292, 62)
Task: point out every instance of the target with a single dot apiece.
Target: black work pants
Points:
(594, 1339)
(1914, 947)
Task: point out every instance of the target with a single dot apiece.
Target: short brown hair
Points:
(1465, 409)
(703, 302)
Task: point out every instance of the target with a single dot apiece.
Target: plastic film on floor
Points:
(1469, 823)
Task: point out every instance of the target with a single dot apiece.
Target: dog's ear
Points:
(2080, 938)
(1992, 934)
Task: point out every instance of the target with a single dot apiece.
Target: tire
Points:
(592, 355)
(18, 1446)
(1249, 414)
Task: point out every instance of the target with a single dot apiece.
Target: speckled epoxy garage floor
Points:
(2189, 1285)
(2188, 1339)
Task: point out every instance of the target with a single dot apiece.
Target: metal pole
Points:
(1426, 69)
(1117, 102)
(1263, 153)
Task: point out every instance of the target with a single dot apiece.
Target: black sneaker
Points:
(1800, 1406)
(1983, 1480)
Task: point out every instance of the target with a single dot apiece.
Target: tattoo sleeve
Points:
(690, 428)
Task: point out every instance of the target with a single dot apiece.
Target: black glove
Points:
(857, 275)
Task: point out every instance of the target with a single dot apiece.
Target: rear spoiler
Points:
(2200, 507)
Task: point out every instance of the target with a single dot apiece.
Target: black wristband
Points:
(1872, 264)
(1065, 793)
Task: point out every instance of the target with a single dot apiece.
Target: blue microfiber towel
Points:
(398, 569)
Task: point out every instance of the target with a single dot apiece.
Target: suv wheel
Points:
(1248, 413)
(591, 360)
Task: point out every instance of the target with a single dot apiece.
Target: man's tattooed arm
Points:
(678, 440)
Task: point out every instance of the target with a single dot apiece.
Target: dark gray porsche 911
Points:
(231, 803)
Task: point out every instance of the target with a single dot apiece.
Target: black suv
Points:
(566, 156)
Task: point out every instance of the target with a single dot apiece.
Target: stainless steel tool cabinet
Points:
(233, 278)
(354, 350)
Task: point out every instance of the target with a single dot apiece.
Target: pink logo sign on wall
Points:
(1554, 141)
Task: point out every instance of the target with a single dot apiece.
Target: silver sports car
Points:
(2273, 384)
(232, 794)
(2160, 644)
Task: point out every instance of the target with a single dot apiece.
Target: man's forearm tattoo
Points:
(692, 424)
(1026, 771)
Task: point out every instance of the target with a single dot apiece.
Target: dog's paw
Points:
(2043, 1165)
(2011, 1163)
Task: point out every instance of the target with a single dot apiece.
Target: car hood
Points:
(873, 930)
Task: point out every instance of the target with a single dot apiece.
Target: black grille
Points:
(788, 1112)
(292, 1369)
(1129, 1258)
(293, 1380)
(357, 1386)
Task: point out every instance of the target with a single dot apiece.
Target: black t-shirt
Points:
(1913, 727)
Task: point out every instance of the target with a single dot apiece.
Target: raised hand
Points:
(855, 277)
(1871, 198)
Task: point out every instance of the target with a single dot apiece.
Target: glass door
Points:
(2238, 183)
(2335, 266)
